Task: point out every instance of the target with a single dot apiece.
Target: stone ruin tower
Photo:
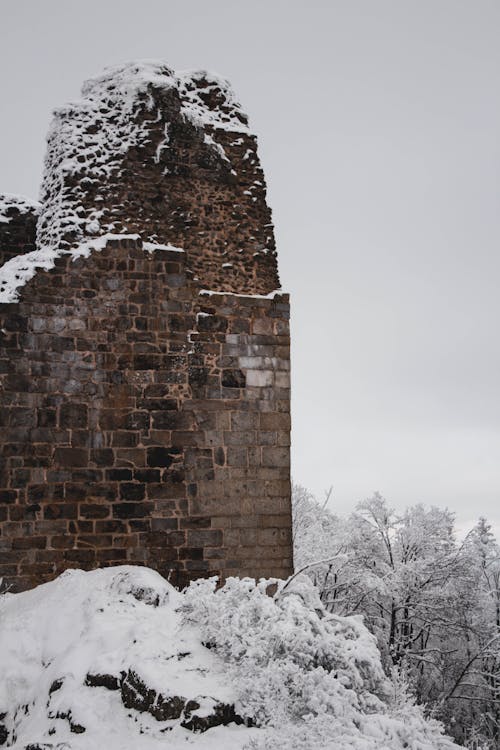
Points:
(144, 342)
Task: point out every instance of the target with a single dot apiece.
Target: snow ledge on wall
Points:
(19, 270)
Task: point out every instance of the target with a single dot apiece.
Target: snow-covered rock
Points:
(117, 658)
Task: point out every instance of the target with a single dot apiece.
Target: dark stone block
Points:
(158, 404)
(46, 417)
(158, 456)
(60, 511)
(233, 379)
(73, 415)
(125, 439)
(94, 510)
(219, 456)
(15, 322)
(191, 553)
(45, 492)
(204, 538)
(137, 420)
(147, 475)
(132, 510)
(198, 376)
(147, 362)
(120, 475)
(110, 527)
(8, 496)
(212, 323)
(164, 524)
(131, 491)
(71, 457)
(102, 456)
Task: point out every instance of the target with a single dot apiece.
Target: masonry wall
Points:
(17, 228)
(142, 422)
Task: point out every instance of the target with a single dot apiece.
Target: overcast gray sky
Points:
(379, 131)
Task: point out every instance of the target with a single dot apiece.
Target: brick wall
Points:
(143, 422)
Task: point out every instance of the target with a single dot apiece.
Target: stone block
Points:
(263, 326)
(234, 378)
(260, 378)
(132, 491)
(159, 456)
(71, 457)
(204, 538)
(274, 421)
(94, 510)
(131, 510)
(275, 457)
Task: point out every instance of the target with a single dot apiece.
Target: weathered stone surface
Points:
(137, 695)
(144, 420)
(107, 681)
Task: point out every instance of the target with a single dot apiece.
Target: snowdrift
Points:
(117, 658)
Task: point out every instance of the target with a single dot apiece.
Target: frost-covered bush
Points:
(311, 678)
(285, 656)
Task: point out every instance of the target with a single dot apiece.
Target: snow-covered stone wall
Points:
(144, 351)
(170, 156)
(18, 219)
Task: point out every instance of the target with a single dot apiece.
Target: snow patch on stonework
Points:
(118, 659)
(213, 293)
(10, 203)
(152, 246)
(22, 268)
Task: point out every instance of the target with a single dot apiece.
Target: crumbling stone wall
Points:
(191, 176)
(144, 419)
(18, 219)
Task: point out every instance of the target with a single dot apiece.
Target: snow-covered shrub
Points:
(287, 659)
(314, 680)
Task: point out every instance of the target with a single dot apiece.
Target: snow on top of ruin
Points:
(89, 137)
(86, 144)
(10, 203)
(128, 81)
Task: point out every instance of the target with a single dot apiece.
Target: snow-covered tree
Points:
(432, 603)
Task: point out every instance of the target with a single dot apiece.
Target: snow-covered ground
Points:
(118, 659)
